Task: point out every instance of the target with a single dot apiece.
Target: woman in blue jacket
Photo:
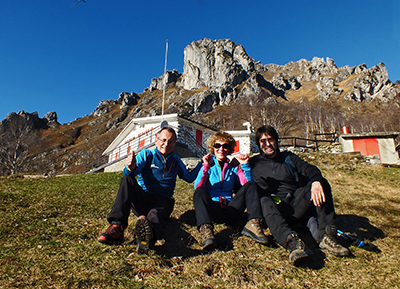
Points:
(215, 198)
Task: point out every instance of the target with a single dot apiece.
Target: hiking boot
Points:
(144, 234)
(113, 235)
(253, 230)
(330, 243)
(296, 247)
(207, 235)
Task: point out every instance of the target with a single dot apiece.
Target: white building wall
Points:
(246, 141)
(188, 135)
(116, 167)
(388, 151)
(347, 145)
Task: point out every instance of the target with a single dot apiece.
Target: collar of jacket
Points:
(278, 156)
(217, 161)
(161, 156)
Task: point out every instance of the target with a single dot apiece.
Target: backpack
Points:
(300, 179)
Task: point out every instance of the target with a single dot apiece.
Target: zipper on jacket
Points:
(222, 172)
(165, 165)
(170, 168)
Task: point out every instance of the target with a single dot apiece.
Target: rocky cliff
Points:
(224, 72)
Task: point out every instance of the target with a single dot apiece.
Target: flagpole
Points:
(164, 81)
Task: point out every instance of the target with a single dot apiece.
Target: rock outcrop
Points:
(370, 84)
(167, 78)
(31, 121)
(51, 119)
(331, 81)
(103, 107)
(127, 99)
(215, 64)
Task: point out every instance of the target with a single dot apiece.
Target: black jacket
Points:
(275, 176)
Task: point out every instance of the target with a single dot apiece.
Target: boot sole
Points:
(208, 244)
(299, 260)
(251, 235)
(143, 234)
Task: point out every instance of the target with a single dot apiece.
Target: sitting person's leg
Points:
(129, 191)
(149, 225)
(247, 196)
(204, 206)
(280, 230)
(303, 205)
(161, 209)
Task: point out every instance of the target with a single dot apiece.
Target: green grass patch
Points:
(49, 229)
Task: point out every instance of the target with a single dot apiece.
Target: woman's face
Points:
(221, 150)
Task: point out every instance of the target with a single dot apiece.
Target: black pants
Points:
(289, 211)
(208, 210)
(156, 208)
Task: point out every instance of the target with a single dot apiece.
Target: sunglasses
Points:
(225, 146)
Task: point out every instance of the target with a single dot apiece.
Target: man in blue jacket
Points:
(150, 196)
(292, 190)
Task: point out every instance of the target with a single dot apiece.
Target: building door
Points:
(199, 137)
(366, 146)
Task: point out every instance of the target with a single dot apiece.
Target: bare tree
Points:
(319, 117)
(248, 109)
(15, 140)
(279, 115)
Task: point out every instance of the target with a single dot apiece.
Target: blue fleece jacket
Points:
(156, 174)
(220, 182)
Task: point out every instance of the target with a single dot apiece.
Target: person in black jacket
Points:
(292, 190)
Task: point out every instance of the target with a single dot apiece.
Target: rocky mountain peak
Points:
(224, 72)
(215, 64)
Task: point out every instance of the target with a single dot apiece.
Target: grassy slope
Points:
(49, 229)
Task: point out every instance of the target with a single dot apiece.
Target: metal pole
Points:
(164, 81)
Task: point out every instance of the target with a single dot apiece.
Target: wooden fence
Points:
(308, 143)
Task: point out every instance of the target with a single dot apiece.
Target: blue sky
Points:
(56, 57)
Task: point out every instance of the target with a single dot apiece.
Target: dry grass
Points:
(49, 230)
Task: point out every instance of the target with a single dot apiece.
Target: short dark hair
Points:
(266, 129)
(169, 129)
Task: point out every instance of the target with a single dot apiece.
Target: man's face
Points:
(269, 145)
(165, 142)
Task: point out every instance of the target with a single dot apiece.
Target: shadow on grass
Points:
(348, 223)
(316, 260)
(360, 226)
(179, 242)
(188, 217)
(224, 237)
